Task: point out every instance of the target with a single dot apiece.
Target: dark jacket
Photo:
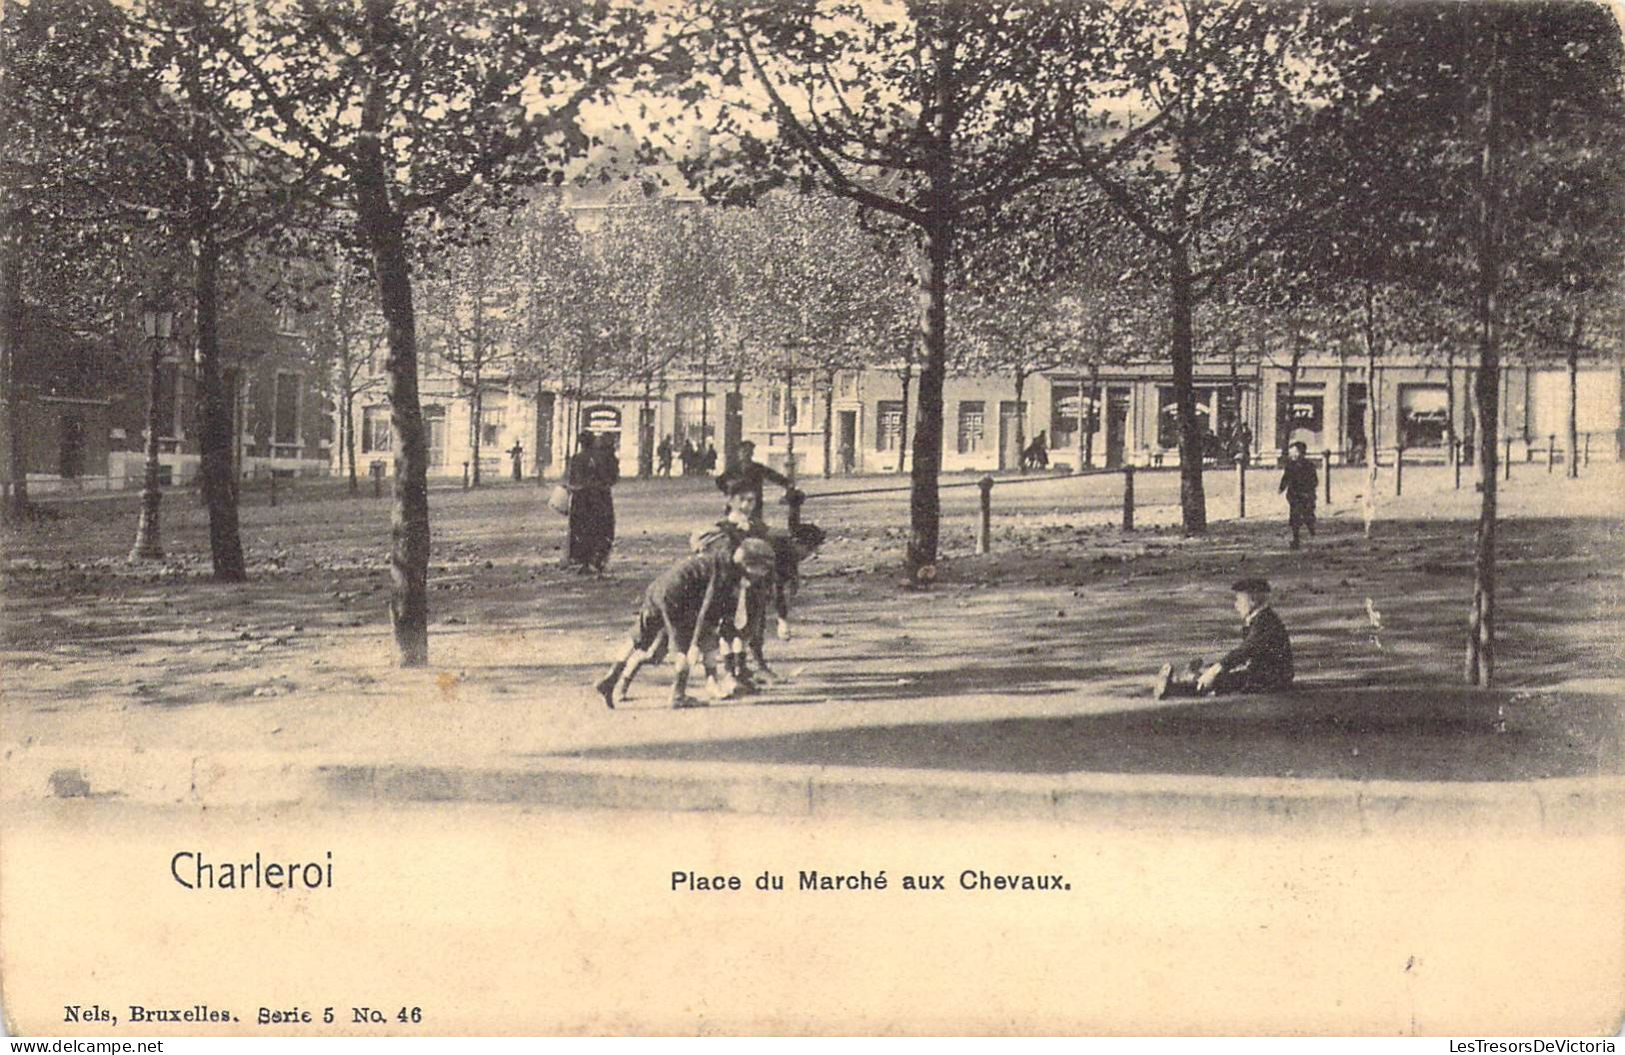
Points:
(1265, 652)
(750, 476)
(1300, 481)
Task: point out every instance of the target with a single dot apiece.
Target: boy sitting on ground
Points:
(680, 609)
(1261, 663)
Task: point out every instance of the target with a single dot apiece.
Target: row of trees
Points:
(1353, 161)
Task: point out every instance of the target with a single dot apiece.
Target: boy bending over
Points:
(680, 609)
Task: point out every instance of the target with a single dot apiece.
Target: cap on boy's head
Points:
(756, 555)
(747, 445)
(1251, 587)
(1300, 446)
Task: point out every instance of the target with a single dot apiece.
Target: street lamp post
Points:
(156, 323)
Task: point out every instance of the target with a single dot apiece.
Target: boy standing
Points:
(1261, 663)
(1300, 483)
(680, 609)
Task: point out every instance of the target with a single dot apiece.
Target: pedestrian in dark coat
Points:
(748, 474)
(708, 461)
(1261, 663)
(1300, 483)
(690, 457)
(664, 453)
(589, 475)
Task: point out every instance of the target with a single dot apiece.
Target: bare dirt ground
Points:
(1034, 658)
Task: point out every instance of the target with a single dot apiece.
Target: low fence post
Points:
(1586, 459)
(1399, 470)
(1241, 490)
(1507, 461)
(984, 529)
(1326, 456)
(794, 498)
(465, 476)
(377, 469)
(1551, 452)
(1457, 449)
(1128, 498)
(273, 488)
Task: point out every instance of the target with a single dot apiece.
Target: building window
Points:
(1424, 413)
(777, 404)
(285, 426)
(1216, 416)
(376, 436)
(846, 384)
(972, 414)
(1063, 419)
(492, 420)
(690, 421)
(434, 420)
(889, 425)
(1300, 416)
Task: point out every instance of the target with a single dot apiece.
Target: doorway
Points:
(1010, 415)
(846, 453)
(1116, 426)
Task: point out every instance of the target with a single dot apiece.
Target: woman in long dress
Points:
(591, 472)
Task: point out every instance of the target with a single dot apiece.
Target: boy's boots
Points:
(608, 684)
(679, 690)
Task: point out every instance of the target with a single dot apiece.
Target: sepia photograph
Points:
(812, 518)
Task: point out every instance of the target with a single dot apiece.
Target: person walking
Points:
(1300, 483)
(590, 474)
(690, 457)
(664, 453)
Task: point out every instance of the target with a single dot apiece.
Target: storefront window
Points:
(1424, 413)
(972, 415)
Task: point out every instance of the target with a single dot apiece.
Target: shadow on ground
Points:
(1331, 733)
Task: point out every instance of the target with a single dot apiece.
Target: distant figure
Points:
(708, 460)
(517, 453)
(591, 472)
(663, 452)
(849, 458)
(1036, 456)
(1243, 444)
(680, 612)
(1301, 484)
(1261, 663)
(690, 457)
(749, 474)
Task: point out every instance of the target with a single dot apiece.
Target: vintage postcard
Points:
(845, 518)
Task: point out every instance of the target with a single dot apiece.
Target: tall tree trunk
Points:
(11, 346)
(1294, 366)
(1574, 393)
(1480, 658)
(902, 420)
(1450, 415)
(829, 419)
(1096, 412)
(384, 230)
(1192, 500)
(924, 501)
(219, 489)
(790, 420)
(1021, 422)
(348, 423)
(476, 409)
(1372, 395)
